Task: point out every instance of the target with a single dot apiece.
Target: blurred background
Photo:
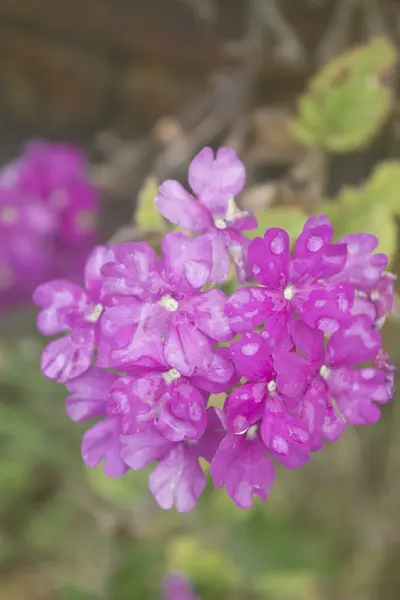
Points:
(307, 92)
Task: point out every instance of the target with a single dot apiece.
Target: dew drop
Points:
(327, 325)
(277, 245)
(279, 445)
(314, 243)
(240, 424)
(250, 349)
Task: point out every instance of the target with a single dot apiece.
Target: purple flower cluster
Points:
(177, 587)
(296, 352)
(48, 210)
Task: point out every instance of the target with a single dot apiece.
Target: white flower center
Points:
(171, 375)
(288, 292)
(324, 372)
(271, 387)
(169, 303)
(375, 295)
(220, 224)
(251, 433)
(96, 313)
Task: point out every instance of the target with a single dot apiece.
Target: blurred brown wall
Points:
(71, 67)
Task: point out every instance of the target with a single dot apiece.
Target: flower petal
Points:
(248, 308)
(140, 449)
(220, 376)
(252, 357)
(245, 470)
(63, 303)
(182, 412)
(67, 358)
(177, 480)
(221, 262)
(180, 208)
(215, 180)
(187, 258)
(269, 258)
(145, 352)
(207, 312)
(132, 272)
(187, 348)
(101, 442)
(244, 407)
(354, 345)
(89, 394)
(99, 256)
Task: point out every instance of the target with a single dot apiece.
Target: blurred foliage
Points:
(348, 101)
(289, 218)
(147, 216)
(372, 207)
(327, 529)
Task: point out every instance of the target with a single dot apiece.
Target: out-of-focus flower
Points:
(48, 213)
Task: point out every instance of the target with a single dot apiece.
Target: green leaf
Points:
(349, 100)
(371, 208)
(148, 217)
(290, 218)
(188, 554)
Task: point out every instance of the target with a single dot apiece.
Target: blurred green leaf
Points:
(289, 218)
(74, 593)
(349, 100)
(148, 217)
(264, 543)
(122, 491)
(204, 564)
(138, 572)
(291, 585)
(371, 208)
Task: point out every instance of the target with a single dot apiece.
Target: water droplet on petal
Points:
(240, 425)
(277, 245)
(279, 445)
(327, 325)
(250, 349)
(314, 243)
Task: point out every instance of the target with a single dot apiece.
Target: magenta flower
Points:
(177, 587)
(178, 479)
(153, 411)
(295, 285)
(67, 308)
(144, 344)
(338, 392)
(48, 209)
(365, 271)
(56, 173)
(215, 182)
(162, 297)
(25, 252)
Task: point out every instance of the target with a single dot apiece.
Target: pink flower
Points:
(295, 285)
(215, 182)
(67, 308)
(162, 298)
(177, 587)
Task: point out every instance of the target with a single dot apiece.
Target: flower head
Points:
(146, 344)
